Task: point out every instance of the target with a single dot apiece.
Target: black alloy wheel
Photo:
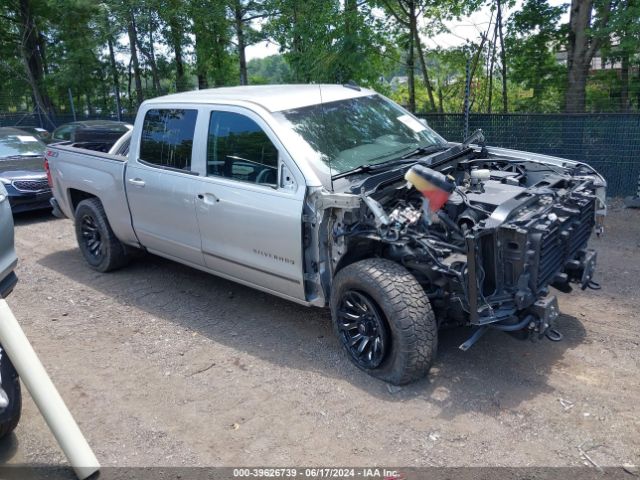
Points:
(362, 328)
(100, 247)
(91, 236)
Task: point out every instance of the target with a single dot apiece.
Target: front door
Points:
(162, 189)
(250, 217)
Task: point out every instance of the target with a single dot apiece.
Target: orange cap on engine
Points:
(435, 186)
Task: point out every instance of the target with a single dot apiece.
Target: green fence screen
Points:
(610, 142)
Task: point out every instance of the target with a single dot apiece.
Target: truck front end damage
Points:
(486, 236)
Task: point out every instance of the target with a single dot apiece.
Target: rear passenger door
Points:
(249, 203)
(161, 188)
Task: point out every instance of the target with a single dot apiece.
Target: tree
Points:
(621, 44)
(32, 51)
(532, 41)
(271, 69)
(174, 15)
(244, 14)
(407, 14)
(133, 49)
(212, 30)
(588, 22)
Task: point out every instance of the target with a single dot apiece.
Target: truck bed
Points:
(78, 173)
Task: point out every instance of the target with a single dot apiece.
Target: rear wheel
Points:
(99, 245)
(384, 320)
(10, 382)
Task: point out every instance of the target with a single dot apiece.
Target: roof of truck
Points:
(271, 97)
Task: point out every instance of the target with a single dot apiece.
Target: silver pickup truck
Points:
(331, 195)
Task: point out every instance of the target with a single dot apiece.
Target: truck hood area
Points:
(486, 232)
(23, 168)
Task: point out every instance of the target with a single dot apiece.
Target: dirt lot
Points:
(164, 365)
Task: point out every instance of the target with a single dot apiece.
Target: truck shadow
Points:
(499, 372)
(35, 216)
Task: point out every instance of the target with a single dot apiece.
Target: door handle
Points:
(208, 198)
(138, 182)
(3, 197)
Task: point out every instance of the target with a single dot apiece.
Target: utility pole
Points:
(503, 59)
(467, 92)
(73, 109)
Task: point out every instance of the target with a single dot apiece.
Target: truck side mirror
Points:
(287, 182)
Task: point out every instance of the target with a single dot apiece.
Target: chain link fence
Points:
(610, 142)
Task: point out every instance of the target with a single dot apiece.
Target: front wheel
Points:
(384, 320)
(10, 396)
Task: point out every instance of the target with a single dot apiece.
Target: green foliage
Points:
(272, 69)
(532, 42)
(186, 44)
(322, 42)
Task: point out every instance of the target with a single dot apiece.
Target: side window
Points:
(238, 148)
(124, 148)
(63, 133)
(167, 138)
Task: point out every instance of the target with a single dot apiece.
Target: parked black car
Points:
(65, 133)
(40, 133)
(22, 170)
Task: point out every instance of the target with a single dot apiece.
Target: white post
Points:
(45, 395)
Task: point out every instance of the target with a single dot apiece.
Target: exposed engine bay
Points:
(486, 235)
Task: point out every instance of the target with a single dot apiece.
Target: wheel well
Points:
(77, 196)
(359, 250)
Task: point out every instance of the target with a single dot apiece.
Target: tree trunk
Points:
(492, 64)
(133, 41)
(42, 49)
(425, 73)
(580, 51)
(576, 91)
(32, 58)
(239, 25)
(176, 44)
(411, 57)
(296, 42)
(90, 109)
(624, 83)
(149, 55)
(503, 59)
(201, 70)
(114, 76)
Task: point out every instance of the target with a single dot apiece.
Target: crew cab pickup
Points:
(331, 195)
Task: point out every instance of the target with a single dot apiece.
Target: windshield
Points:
(20, 144)
(347, 134)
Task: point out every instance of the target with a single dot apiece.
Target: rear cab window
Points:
(167, 138)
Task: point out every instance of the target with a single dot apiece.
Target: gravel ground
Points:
(164, 365)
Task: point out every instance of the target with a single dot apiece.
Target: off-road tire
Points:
(10, 416)
(112, 253)
(411, 324)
